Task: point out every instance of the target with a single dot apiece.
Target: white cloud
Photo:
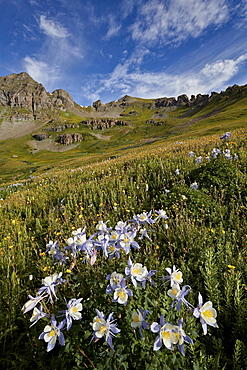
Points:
(58, 52)
(41, 71)
(213, 76)
(52, 28)
(160, 23)
(114, 28)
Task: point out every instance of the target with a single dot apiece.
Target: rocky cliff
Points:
(22, 91)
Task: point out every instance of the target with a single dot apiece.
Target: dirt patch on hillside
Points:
(13, 130)
(101, 137)
(49, 144)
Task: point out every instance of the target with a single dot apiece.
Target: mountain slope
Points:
(39, 130)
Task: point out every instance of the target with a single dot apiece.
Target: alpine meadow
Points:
(123, 231)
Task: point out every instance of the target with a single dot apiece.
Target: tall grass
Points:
(206, 239)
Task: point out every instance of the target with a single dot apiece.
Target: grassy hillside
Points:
(201, 230)
(22, 157)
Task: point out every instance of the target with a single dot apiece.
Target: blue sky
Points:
(104, 49)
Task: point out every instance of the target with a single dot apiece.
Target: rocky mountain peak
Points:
(22, 91)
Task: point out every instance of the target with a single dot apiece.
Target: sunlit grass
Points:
(206, 235)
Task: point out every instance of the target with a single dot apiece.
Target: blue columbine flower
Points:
(37, 315)
(74, 307)
(161, 214)
(138, 320)
(104, 327)
(194, 185)
(206, 313)
(115, 279)
(126, 241)
(175, 275)
(143, 218)
(50, 282)
(32, 302)
(139, 273)
(122, 293)
(53, 332)
(225, 136)
(179, 296)
(170, 335)
(215, 152)
(198, 159)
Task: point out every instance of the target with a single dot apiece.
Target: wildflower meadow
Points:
(138, 263)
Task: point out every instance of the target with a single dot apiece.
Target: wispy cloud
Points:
(173, 21)
(211, 77)
(52, 28)
(57, 53)
(41, 71)
(114, 27)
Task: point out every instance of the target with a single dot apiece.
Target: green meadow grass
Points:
(206, 240)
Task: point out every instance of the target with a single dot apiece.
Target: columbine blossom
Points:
(32, 302)
(103, 327)
(143, 218)
(139, 273)
(161, 214)
(206, 313)
(215, 152)
(143, 232)
(122, 293)
(126, 241)
(122, 227)
(191, 154)
(170, 335)
(177, 172)
(198, 159)
(74, 307)
(227, 154)
(180, 336)
(138, 320)
(115, 280)
(175, 275)
(51, 333)
(179, 296)
(194, 185)
(103, 242)
(50, 282)
(37, 315)
(54, 251)
(102, 227)
(225, 136)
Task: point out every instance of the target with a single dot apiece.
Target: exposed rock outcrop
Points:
(102, 124)
(62, 99)
(58, 128)
(67, 139)
(22, 91)
(40, 136)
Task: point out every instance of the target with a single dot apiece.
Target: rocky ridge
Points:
(23, 92)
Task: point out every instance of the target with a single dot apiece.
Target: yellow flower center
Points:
(52, 333)
(177, 276)
(126, 240)
(121, 294)
(102, 329)
(208, 314)
(176, 335)
(74, 309)
(174, 291)
(136, 271)
(165, 335)
(136, 318)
